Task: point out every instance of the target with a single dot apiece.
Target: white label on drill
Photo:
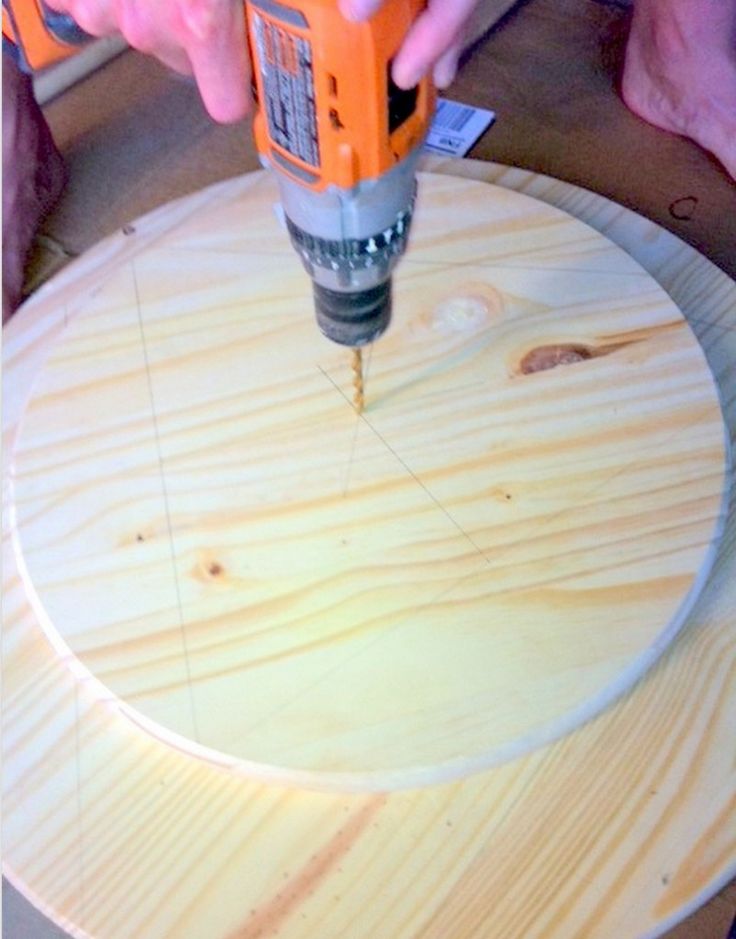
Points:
(456, 127)
(288, 89)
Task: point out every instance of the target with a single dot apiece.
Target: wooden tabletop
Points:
(618, 828)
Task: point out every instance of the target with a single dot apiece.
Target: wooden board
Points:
(508, 536)
(614, 830)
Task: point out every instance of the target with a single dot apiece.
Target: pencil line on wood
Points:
(408, 469)
(351, 456)
(80, 827)
(167, 509)
(429, 492)
(523, 268)
(544, 523)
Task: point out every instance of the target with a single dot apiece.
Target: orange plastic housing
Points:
(24, 25)
(346, 111)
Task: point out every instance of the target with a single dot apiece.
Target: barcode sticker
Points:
(456, 127)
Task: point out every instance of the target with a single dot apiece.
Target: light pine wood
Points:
(614, 830)
(484, 558)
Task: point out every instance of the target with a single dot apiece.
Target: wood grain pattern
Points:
(505, 539)
(615, 830)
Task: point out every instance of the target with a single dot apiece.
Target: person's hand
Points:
(204, 38)
(434, 42)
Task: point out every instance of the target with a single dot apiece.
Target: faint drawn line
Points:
(167, 510)
(80, 827)
(351, 456)
(715, 538)
(588, 492)
(409, 470)
(523, 268)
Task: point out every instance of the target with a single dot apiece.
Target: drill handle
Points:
(38, 36)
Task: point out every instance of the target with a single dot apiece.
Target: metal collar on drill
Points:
(354, 253)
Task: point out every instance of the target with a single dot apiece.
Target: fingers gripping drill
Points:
(342, 139)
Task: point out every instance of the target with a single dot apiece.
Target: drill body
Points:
(341, 137)
(344, 142)
(37, 36)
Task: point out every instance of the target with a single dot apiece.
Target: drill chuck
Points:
(349, 243)
(353, 318)
(351, 278)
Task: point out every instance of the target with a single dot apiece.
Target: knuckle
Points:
(203, 18)
(135, 28)
(87, 17)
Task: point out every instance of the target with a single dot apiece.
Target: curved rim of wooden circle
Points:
(652, 923)
(388, 780)
(380, 781)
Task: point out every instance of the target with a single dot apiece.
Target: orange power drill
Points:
(344, 142)
(341, 137)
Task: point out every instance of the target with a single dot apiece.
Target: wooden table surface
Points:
(617, 829)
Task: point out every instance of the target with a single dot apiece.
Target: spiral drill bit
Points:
(357, 365)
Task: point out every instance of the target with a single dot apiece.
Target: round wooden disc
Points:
(505, 540)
